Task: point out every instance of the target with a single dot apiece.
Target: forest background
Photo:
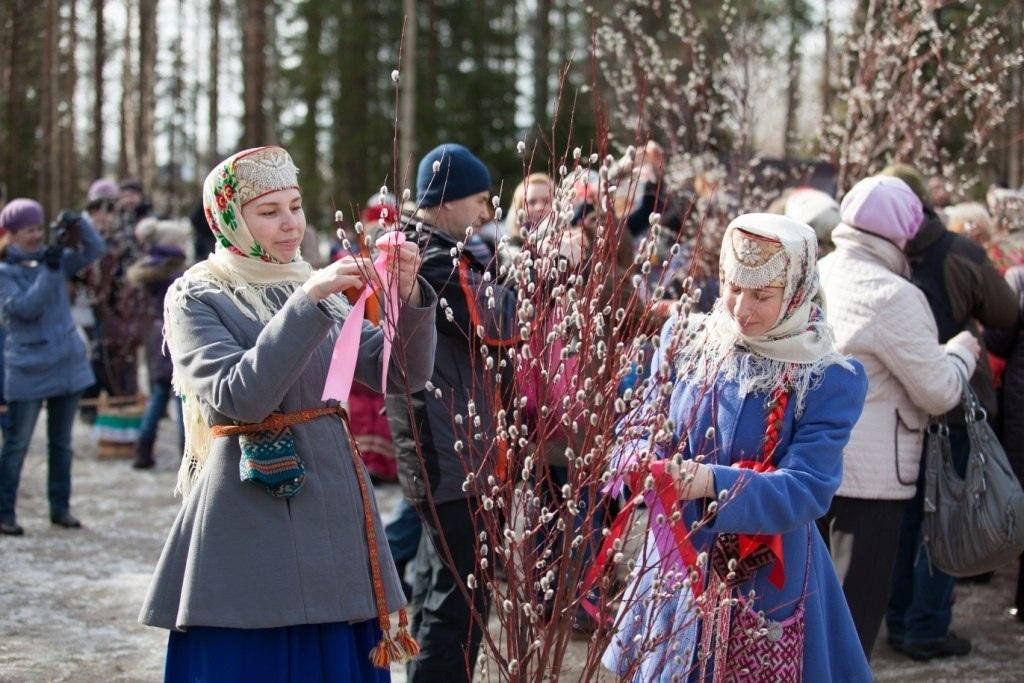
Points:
(160, 90)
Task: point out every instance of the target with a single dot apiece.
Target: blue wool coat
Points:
(786, 501)
(44, 355)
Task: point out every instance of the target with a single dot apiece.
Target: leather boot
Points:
(143, 454)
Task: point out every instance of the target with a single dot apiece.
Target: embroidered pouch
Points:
(761, 649)
(727, 547)
(748, 647)
(269, 459)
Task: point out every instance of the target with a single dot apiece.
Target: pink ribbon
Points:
(346, 348)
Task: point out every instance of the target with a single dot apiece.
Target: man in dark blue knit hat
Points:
(434, 451)
(448, 173)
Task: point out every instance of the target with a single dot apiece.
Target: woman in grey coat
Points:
(272, 569)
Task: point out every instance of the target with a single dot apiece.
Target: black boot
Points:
(11, 528)
(144, 454)
(66, 520)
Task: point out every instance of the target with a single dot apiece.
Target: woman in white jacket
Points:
(884, 321)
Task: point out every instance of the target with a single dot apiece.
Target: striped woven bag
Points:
(269, 458)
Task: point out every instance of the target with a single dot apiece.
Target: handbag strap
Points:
(937, 430)
(807, 565)
(973, 410)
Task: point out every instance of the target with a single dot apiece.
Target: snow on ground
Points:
(69, 600)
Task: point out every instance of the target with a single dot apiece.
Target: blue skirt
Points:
(290, 654)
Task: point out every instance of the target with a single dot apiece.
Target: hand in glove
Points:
(52, 256)
(73, 234)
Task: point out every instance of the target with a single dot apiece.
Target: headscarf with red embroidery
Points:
(763, 250)
(240, 269)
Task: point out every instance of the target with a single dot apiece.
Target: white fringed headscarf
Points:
(769, 250)
(239, 268)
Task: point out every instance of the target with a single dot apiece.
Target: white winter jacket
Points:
(884, 321)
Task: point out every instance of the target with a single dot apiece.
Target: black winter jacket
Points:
(963, 289)
(435, 449)
(1010, 345)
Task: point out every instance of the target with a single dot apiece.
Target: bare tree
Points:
(797, 22)
(147, 98)
(407, 123)
(99, 59)
(175, 125)
(69, 189)
(214, 84)
(20, 76)
(826, 60)
(48, 189)
(541, 63)
(127, 160)
(254, 72)
(273, 91)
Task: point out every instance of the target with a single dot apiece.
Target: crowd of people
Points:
(825, 335)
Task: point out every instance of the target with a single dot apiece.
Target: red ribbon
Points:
(750, 543)
(665, 499)
(661, 499)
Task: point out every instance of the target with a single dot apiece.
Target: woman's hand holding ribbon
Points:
(350, 272)
(393, 275)
(406, 260)
(692, 479)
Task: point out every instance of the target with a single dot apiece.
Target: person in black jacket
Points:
(963, 289)
(1010, 345)
(435, 452)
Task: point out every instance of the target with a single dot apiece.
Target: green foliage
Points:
(344, 137)
(466, 79)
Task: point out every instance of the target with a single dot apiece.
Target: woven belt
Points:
(278, 421)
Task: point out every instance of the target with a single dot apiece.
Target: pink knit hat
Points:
(102, 188)
(884, 206)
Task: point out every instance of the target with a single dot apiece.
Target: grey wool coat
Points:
(237, 557)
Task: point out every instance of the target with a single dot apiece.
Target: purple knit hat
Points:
(102, 188)
(884, 206)
(21, 213)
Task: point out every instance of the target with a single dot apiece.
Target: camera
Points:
(65, 231)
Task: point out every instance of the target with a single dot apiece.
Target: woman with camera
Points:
(44, 357)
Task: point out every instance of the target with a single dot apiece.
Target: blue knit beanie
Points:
(450, 172)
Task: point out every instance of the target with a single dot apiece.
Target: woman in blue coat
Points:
(44, 357)
(748, 446)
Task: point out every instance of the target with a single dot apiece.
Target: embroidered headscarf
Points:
(239, 268)
(767, 250)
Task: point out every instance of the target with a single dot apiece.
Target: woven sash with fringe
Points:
(402, 645)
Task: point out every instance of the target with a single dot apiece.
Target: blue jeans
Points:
(403, 533)
(592, 536)
(23, 415)
(548, 537)
(160, 395)
(921, 596)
